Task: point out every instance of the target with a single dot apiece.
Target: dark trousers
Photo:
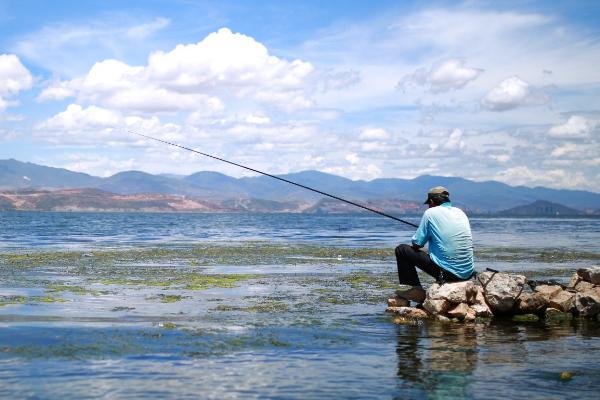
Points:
(407, 258)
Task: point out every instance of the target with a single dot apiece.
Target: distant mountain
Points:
(474, 197)
(542, 208)
(16, 174)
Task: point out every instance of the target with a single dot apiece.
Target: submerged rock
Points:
(557, 315)
(591, 275)
(408, 312)
(525, 318)
(501, 290)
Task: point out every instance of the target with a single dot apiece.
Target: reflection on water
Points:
(302, 323)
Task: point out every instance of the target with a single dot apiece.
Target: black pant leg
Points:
(407, 258)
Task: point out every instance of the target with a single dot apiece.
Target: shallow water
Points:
(269, 306)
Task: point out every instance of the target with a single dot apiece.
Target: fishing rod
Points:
(277, 177)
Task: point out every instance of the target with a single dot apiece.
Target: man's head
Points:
(437, 195)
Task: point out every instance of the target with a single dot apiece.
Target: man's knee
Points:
(402, 250)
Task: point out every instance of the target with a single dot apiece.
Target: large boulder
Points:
(587, 303)
(563, 301)
(501, 290)
(531, 303)
(456, 292)
(591, 275)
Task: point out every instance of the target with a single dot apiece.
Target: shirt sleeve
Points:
(421, 236)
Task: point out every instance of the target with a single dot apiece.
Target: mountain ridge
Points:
(479, 197)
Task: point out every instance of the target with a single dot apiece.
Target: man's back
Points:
(448, 232)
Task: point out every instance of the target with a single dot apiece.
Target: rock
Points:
(470, 315)
(531, 303)
(408, 312)
(525, 318)
(583, 286)
(398, 302)
(587, 303)
(436, 306)
(547, 290)
(482, 310)
(557, 315)
(563, 301)
(456, 292)
(574, 280)
(591, 275)
(442, 318)
(479, 305)
(501, 290)
(460, 311)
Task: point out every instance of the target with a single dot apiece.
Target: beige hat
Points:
(438, 191)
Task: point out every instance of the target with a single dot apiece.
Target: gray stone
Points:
(408, 312)
(436, 306)
(501, 290)
(398, 302)
(456, 292)
(591, 275)
(460, 311)
(531, 303)
(563, 301)
(588, 303)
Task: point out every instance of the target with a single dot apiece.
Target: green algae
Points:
(263, 307)
(9, 300)
(360, 279)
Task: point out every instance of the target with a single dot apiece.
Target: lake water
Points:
(120, 305)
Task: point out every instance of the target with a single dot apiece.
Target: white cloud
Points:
(14, 77)
(566, 149)
(454, 141)
(374, 134)
(100, 126)
(142, 31)
(512, 93)
(223, 65)
(258, 119)
(443, 76)
(555, 178)
(577, 126)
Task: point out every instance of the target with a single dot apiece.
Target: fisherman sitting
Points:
(450, 257)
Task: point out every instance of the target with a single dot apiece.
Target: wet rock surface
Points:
(501, 294)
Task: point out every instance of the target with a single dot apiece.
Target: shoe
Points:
(415, 293)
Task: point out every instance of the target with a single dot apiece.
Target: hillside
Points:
(475, 197)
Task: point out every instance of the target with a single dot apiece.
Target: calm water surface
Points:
(305, 329)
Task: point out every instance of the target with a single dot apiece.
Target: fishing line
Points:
(276, 177)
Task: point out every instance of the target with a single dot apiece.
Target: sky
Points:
(506, 91)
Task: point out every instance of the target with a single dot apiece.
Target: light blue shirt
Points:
(448, 232)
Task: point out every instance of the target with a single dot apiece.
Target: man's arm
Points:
(421, 236)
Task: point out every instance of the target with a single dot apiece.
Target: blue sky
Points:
(366, 90)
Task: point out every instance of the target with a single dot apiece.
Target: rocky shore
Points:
(495, 294)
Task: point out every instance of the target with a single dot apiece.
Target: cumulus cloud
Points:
(222, 65)
(100, 126)
(577, 126)
(556, 178)
(374, 134)
(14, 77)
(443, 76)
(512, 93)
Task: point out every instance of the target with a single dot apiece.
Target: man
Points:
(450, 257)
